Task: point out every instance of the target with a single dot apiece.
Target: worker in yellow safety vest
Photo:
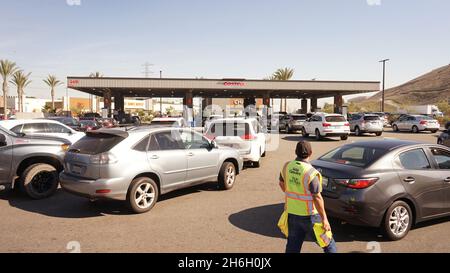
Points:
(306, 216)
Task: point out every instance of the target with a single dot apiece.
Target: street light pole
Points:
(160, 99)
(384, 79)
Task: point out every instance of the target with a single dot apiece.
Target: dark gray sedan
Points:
(390, 184)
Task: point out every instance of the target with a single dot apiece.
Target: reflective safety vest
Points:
(297, 176)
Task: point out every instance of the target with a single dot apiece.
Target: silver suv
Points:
(366, 123)
(137, 166)
(31, 163)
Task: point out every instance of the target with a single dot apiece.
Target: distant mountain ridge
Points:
(430, 88)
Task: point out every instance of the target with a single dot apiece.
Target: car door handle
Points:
(409, 180)
(190, 154)
(154, 157)
(447, 180)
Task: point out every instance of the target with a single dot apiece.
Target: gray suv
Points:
(31, 163)
(138, 165)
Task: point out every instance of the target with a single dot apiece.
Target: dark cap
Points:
(303, 149)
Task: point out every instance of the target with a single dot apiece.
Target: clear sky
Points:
(323, 39)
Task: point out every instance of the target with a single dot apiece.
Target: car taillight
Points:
(348, 124)
(210, 137)
(103, 159)
(326, 124)
(358, 183)
(423, 122)
(248, 137)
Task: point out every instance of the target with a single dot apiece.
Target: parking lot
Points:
(199, 219)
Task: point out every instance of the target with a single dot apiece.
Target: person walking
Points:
(302, 185)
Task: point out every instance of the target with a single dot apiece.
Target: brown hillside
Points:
(429, 88)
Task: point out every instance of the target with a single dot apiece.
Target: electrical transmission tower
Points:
(147, 70)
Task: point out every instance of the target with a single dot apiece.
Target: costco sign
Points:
(73, 82)
(238, 84)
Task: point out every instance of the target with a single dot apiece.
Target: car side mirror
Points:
(213, 144)
(3, 140)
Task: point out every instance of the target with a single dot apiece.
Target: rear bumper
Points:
(117, 187)
(336, 134)
(352, 209)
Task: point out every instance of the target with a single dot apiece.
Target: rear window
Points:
(299, 117)
(93, 144)
(230, 129)
(424, 118)
(335, 119)
(357, 156)
(371, 118)
(164, 122)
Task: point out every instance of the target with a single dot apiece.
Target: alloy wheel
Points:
(145, 195)
(399, 221)
(230, 175)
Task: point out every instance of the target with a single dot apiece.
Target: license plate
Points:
(324, 182)
(76, 169)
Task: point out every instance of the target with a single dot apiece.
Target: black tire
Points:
(434, 131)
(357, 131)
(304, 134)
(415, 129)
(225, 182)
(318, 136)
(344, 137)
(379, 133)
(135, 201)
(256, 164)
(39, 181)
(398, 206)
(395, 128)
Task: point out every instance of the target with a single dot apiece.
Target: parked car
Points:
(392, 184)
(170, 121)
(366, 123)
(444, 138)
(283, 122)
(326, 125)
(209, 119)
(416, 124)
(68, 121)
(42, 127)
(295, 122)
(89, 125)
(31, 163)
(108, 123)
(245, 135)
(384, 117)
(137, 166)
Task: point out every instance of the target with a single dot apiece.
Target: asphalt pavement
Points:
(199, 219)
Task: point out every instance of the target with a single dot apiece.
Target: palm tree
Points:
(7, 69)
(52, 82)
(283, 74)
(21, 80)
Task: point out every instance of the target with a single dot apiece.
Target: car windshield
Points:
(358, 156)
(335, 119)
(371, 118)
(6, 131)
(229, 129)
